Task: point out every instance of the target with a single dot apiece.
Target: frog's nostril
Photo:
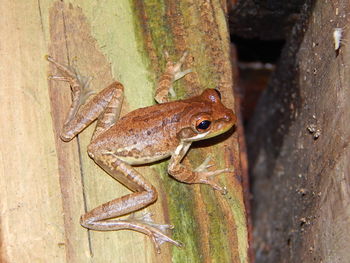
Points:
(229, 116)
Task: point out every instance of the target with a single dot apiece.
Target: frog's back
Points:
(144, 135)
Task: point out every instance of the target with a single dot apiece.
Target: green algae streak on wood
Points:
(125, 40)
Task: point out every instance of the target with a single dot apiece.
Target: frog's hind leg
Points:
(105, 105)
(143, 195)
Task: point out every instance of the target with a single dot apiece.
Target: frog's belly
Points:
(136, 160)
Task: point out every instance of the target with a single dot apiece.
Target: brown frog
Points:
(143, 136)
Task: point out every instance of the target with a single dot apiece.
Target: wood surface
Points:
(299, 145)
(47, 184)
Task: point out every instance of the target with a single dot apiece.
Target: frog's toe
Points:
(175, 67)
(157, 232)
(146, 218)
(215, 185)
(80, 84)
(158, 239)
(180, 74)
(204, 165)
(208, 177)
(85, 90)
(68, 72)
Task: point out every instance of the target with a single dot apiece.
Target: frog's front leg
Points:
(171, 74)
(200, 175)
(143, 195)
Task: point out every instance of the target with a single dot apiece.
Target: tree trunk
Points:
(47, 184)
(299, 142)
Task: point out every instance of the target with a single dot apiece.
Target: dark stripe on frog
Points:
(147, 117)
(175, 117)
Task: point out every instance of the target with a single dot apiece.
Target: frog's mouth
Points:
(220, 129)
(199, 136)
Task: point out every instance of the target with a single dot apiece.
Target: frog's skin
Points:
(140, 137)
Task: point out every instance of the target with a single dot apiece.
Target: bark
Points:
(298, 143)
(47, 184)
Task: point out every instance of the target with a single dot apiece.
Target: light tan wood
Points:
(31, 199)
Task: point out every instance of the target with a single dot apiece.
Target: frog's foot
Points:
(158, 238)
(208, 177)
(175, 67)
(146, 218)
(171, 73)
(80, 84)
(155, 231)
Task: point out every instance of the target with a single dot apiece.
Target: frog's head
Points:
(210, 117)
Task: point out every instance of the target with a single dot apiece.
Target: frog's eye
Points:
(203, 125)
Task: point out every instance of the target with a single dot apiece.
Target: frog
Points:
(143, 136)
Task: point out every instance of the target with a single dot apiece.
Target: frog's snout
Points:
(230, 117)
(227, 120)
